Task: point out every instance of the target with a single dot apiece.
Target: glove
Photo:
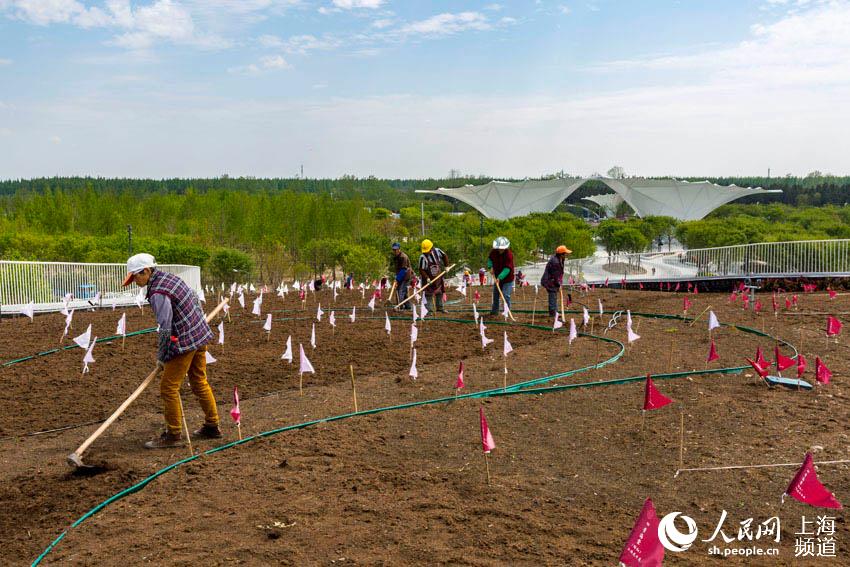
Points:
(163, 346)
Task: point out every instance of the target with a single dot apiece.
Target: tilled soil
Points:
(569, 475)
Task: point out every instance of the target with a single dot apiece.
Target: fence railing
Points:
(765, 259)
(47, 283)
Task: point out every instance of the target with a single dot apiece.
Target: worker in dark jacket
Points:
(553, 277)
(501, 263)
(183, 335)
(403, 273)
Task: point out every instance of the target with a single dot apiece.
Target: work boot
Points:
(165, 441)
(207, 432)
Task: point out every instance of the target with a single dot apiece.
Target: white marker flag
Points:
(221, 333)
(287, 354)
(413, 372)
(713, 323)
(414, 334)
(319, 313)
(573, 331)
(268, 326)
(508, 348)
(29, 310)
(88, 358)
(475, 313)
(85, 339)
(353, 315)
(387, 326)
(631, 334)
(372, 303)
(210, 358)
(601, 311)
(557, 324)
(313, 336)
(332, 319)
(585, 317)
(121, 329)
(305, 365)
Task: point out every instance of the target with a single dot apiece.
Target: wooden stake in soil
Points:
(670, 359)
(353, 388)
(681, 439)
(534, 309)
(122, 342)
(185, 425)
(487, 464)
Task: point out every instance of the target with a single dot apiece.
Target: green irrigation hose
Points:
(526, 387)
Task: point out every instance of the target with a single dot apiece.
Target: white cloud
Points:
(350, 4)
(55, 140)
(5, 61)
(382, 23)
(565, 10)
(266, 63)
(802, 48)
(447, 24)
(493, 7)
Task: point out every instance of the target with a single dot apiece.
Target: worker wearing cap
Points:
(403, 273)
(183, 335)
(553, 277)
(501, 263)
(432, 263)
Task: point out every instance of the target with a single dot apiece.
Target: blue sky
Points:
(162, 88)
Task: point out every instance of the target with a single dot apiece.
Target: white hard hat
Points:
(501, 243)
(136, 264)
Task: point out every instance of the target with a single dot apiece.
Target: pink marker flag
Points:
(794, 300)
(652, 398)
(833, 326)
(305, 365)
(757, 306)
(508, 348)
(573, 332)
(632, 336)
(787, 303)
(484, 340)
(832, 294)
(822, 373)
(733, 297)
(414, 334)
(686, 304)
(712, 352)
(487, 442)
(643, 548)
(235, 413)
(459, 384)
(782, 362)
(760, 370)
(414, 373)
(801, 365)
(585, 317)
(423, 311)
(477, 296)
(806, 488)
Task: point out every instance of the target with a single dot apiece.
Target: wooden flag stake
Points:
(534, 310)
(353, 387)
(681, 439)
(185, 425)
(670, 358)
(239, 427)
(487, 463)
(300, 383)
(122, 342)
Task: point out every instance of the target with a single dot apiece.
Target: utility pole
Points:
(302, 171)
(422, 213)
(129, 240)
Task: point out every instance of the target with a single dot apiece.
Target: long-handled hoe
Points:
(75, 459)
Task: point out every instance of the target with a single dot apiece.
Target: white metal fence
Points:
(813, 258)
(47, 283)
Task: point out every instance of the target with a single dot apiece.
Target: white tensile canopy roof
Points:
(678, 199)
(668, 197)
(503, 200)
(609, 202)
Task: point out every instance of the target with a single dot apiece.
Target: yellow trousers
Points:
(194, 364)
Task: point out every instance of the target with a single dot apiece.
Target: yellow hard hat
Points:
(426, 246)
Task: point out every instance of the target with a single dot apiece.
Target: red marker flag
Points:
(459, 384)
(787, 303)
(678, 285)
(712, 352)
(822, 373)
(801, 365)
(733, 297)
(833, 326)
(808, 489)
(782, 362)
(760, 370)
(487, 442)
(643, 548)
(773, 300)
(686, 304)
(794, 300)
(234, 412)
(757, 306)
(761, 359)
(652, 398)
(832, 294)
(696, 288)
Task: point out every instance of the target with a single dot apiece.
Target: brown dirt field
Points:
(570, 472)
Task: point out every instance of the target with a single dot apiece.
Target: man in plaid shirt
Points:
(183, 335)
